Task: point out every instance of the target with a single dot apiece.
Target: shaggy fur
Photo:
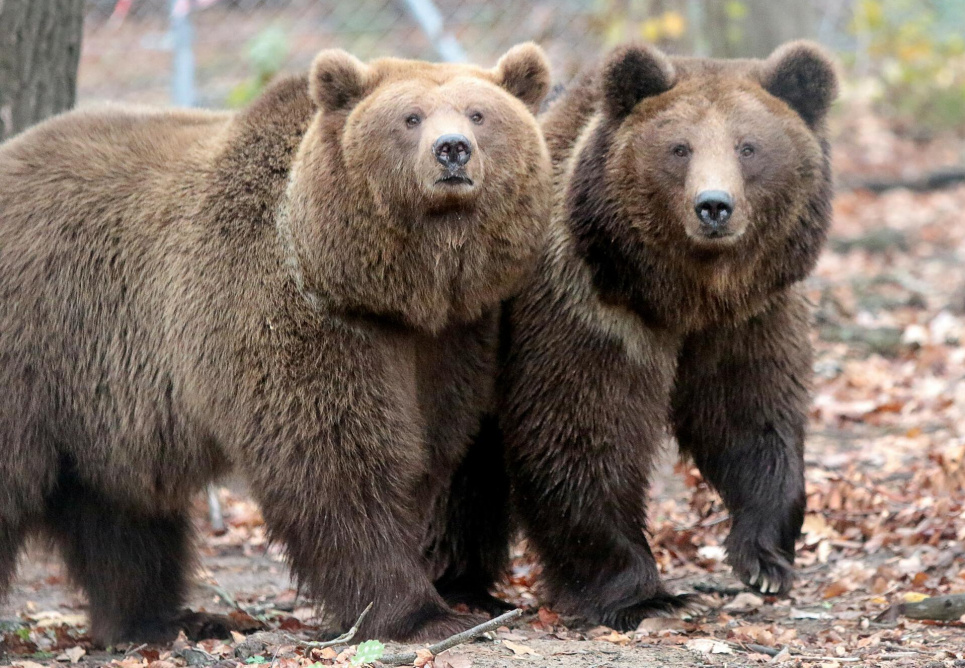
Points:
(288, 290)
(637, 320)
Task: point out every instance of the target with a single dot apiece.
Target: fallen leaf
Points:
(520, 650)
(72, 654)
(450, 660)
(712, 552)
(50, 618)
(422, 657)
(549, 617)
(836, 589)
(809, 614)
(615, 637)
(913, 597)
(652, 625)
(708, 646)
(745, 601)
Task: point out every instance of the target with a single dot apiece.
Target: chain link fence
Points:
(132, 49)
(218, 53)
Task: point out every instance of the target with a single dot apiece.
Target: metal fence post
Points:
(429, 18)
(182, 37)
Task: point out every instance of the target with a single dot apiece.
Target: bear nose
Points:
(714, 207)
(452, 150)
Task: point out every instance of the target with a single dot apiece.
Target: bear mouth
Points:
(718, 233)
(455, 179)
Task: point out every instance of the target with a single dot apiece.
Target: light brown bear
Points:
(308, 291)
(691, 198)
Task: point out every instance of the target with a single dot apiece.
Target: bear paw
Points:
(662, 604)
(763, 570)
(444, 626)
(480, 600)
(206, 625)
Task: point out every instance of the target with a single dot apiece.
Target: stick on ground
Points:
(452, 641)
(341, 640)
(939, 608)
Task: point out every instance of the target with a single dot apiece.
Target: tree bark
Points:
(39, 53)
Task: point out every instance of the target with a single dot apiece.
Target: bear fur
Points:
(304, 291)
(644, 315)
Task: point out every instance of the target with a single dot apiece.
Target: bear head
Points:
(705, 180)
(420, 191)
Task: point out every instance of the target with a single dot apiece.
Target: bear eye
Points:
(681, 150)
(412, 120)
(476, 118)
(746, 151)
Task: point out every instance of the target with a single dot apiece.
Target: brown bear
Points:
(307, 290)
(691, 198)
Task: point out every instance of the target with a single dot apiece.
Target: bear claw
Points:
(773, 576)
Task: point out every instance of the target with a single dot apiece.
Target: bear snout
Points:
(452, 150)
(714, 209)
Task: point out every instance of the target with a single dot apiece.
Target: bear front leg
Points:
(740, 410)
(336, 462)
(584, 414)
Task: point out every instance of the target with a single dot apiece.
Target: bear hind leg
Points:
(131, 565)
(478, 527)
(11, 539)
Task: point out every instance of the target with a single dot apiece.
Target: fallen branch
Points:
(343, 639)
(937, 608)
(458, 639)
(940, 178)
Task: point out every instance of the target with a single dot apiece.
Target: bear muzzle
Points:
(714, 209)
(453, 152)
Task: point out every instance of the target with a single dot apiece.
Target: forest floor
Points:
(885, 484)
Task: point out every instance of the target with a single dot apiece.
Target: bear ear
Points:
(632, 73)
(803, 75)
(337, 80)
(524, 71)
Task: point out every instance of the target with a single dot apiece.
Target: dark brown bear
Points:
(307, 290)
(691, 198)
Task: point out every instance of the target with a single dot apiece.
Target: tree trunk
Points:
(754, 28)
(39, 52)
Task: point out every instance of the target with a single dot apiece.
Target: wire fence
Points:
(218, 53)
(133, 49)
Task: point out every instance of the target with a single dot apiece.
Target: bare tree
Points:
(39, 52)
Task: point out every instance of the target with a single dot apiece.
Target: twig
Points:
(225, 597)
(341, 640)
(840, 659)
(773, 651)
(759, 649)
(452, 641)
(134, 649)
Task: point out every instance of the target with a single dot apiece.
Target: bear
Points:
(691, 197)
(306, 291)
